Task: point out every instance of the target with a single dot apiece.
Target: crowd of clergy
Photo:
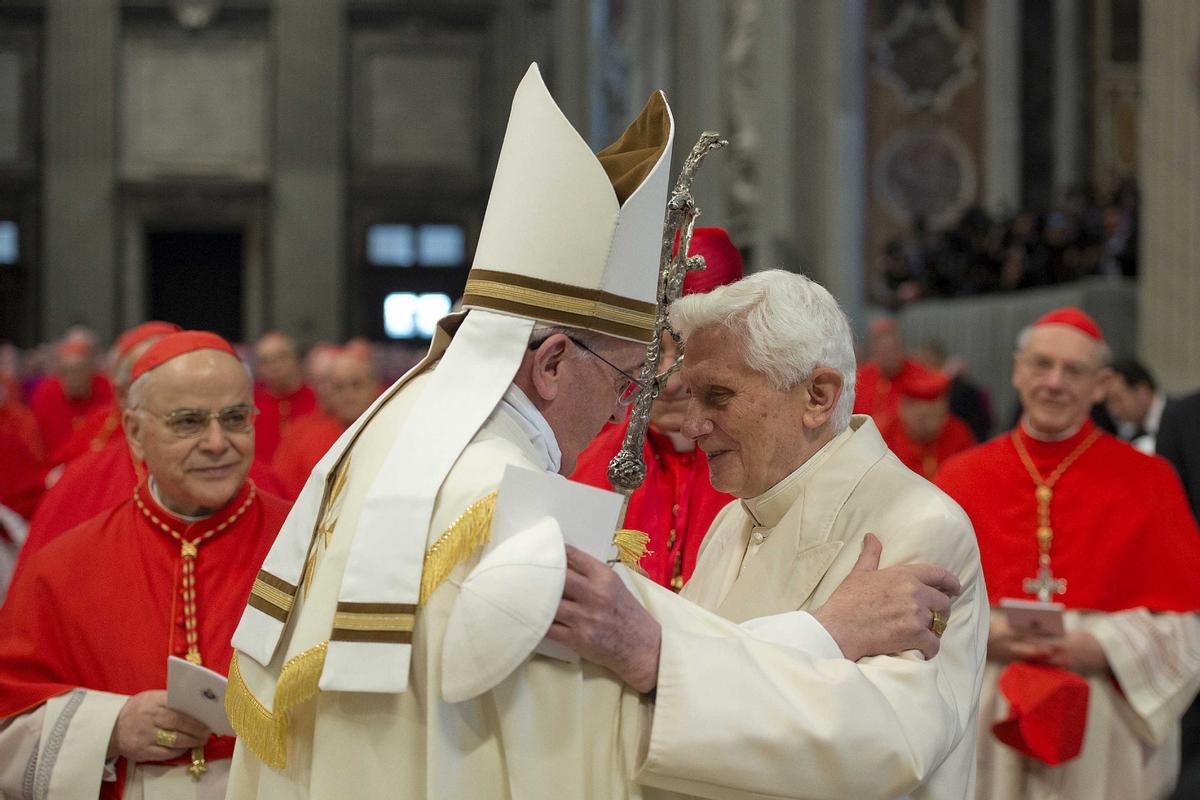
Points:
(143, 492)
(134, 518)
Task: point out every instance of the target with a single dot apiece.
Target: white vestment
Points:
(1131, 740)
(558, 730)
(882, 727)
(58, 751)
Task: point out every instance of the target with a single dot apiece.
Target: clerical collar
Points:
(158, 499)
(531, 422)
(1047, 454)
(770, 507)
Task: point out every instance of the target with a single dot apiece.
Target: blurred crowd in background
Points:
(1091, 231)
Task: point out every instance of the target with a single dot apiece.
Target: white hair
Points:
(1103, 351)
(786, 324)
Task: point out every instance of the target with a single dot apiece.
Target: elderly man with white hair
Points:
(770, 370)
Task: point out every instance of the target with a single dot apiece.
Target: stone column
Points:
(831, 149)
(307, 275)
(1002, 106)
(1169, 171)
(79, 281)
(1069, 153)
(696, 101)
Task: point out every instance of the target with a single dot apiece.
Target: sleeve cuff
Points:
(798, 630)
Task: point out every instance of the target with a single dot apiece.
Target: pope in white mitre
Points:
(387, 647)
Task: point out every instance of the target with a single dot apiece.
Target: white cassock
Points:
(1131, 741)
(557, 730)
(882, 727)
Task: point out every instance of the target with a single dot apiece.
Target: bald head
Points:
(352, 386)
(277, 363)
(190, 420)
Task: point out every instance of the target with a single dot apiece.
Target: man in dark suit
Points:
(1179, 442)
(1135, 404)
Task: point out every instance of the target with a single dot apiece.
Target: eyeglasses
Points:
(1072, 371)
(187, 423)
(630, 386)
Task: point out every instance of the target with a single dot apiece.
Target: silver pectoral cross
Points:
(1045, 585)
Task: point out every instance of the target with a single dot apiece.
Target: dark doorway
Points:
(195, 279)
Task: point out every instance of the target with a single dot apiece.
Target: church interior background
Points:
(321, 166)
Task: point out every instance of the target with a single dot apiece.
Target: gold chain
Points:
(188, 551)
(1044, 490)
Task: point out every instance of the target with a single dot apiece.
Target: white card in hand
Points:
(587, 517)
(198, 692)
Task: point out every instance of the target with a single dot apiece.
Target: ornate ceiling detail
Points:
(924, 56)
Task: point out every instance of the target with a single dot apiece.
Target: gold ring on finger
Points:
(937, 623)
(166, 738)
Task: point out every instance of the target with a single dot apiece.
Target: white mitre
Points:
(569, 238)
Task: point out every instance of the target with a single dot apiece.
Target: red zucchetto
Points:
(177, 344)
(1077, 319)
(147, 330)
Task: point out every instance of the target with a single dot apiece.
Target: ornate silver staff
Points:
(627, 470)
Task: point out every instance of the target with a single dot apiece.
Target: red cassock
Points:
(94, 483)
(63, 626)
(275, 414)
(925, 458)
(58, 415)
(93, 432)
(1124, 536)
(19, 421)
(877, 395)
(307, 440)
(675, 505)
(22, 477)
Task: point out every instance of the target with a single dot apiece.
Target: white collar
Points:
(526, 416)
(1154, 414)
(158, 499)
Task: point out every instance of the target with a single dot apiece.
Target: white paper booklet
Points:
(586, 515)
(198, 692)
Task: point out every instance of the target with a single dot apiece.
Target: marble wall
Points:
(1169, 158)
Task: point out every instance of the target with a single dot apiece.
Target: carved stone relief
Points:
(417, 109)
(196, 108)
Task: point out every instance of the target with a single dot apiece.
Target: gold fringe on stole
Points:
(264, 731)
(470, 531)
(631, 546)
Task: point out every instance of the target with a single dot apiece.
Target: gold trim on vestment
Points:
(631, 546)
(264, 730)
(470, 531)
(592, 309)
(269, 599)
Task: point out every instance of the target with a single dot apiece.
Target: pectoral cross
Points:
(1045, 585)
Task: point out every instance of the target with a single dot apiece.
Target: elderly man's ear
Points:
(824, 388)
(545, 373)
(132, 423)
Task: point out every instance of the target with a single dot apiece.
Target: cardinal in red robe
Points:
(675, 504)
(62, 401)
(97, 428)
(924, 433)
(348, 387)
(1069, 514)
(17, 420)
(878, 381)
(280, 395)
(85, 636)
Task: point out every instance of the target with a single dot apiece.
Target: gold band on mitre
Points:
(561, 304)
